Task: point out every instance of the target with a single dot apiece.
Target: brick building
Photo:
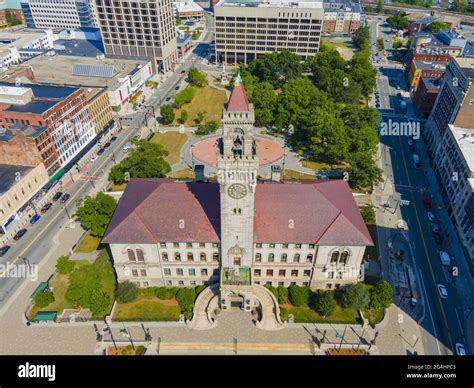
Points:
(425, 96)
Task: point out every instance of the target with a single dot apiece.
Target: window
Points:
(344, 257)
(189, 245)
(192, 272)
(190, 256)
(181, 283)
(284, 257)
(298, 246)
(330, 275)
(215, 257)
(214, 245)
(134, 273)
(271, 245)
(257, 272)
(163, 244)
(258, 245)
(271, 257)
(204, 272)
(140, 256)
(164, 256)
(179, 271)
(202, 245)
(258, 257)
(145, 284)
(296, 258)
(309, 258)
(177, 256)
(176, 245)
(143, 272)
(334, 257)
(307, 273)
(311, 246)
(285, 246)
(169, 283)
(282, 272)
(167, 271)
(294, 272)
(269, 272)
(131, 255)
(192, 282)
(202, 256)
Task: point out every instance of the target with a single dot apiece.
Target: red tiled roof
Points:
(154, 210)
(238, 101)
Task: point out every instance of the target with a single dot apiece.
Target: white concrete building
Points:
(188, 10)
(237, 232)
(139, 29)
(246, 30)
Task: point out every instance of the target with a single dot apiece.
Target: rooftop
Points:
(467, 66)
(238, 101)
(424, 65)
(271, 3)
(152, 210)
(79, 47)
(465, 140)
(58, 69)
(431, 83)
(20, 39)
(187, 6)
(8, 176)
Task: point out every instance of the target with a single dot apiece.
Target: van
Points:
(445, 259)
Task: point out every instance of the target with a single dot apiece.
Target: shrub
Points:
(165, 293)
(186, 298)
(42, 299)
(200, 288)
(126, 292)
(381, 295)
(197, 78)
(64, 265)
(282, 295)
(368, 214)
(183, 117)
(299, 296)
(356, 296)
(184, 97)
(325, 303)
(284, 313)
(272, 289)
(147, 291)
(167, 114)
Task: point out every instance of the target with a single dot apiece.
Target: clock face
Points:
(237, 191)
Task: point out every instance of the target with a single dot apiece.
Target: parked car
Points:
(57, 196)
(445, 259)
(377, 105)
(19, 234)
(100, 152)
(431, 216)
(4, 250)
(94, 158)
(65, 198)
(438, 238)
(113, 138)
(168, 98)
(460, 350)
(46, 207)
(125, 149)
(443, 292)
(176, 88)
(435, 227)
(183, 71)
(107, 145)
(34, 219)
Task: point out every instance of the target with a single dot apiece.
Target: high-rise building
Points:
(56, 15)
(246, 30)
(139, 29)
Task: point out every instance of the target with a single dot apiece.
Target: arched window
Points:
(271, 257)
(296, 258)
(215, 257)
(344, 257)
(164, 256)
(284, 257)
(202, 256)
(334, 257)
(309, 258)
(177, 256)
(258, 257)
(190, 256)
(131, 255)
(140, 256)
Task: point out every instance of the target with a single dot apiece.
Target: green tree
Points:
(368, 214)
(167, 114)
(397, 44)
(436, 26)
(379, 6)
(95, 213)
(185, 298)
(11, 18)
(146, 160)
(126, 292)
(325, 303)
(361, 124)
(64, 265)
(99, 302)
(43, 299)
(197, 78)
(381, 295)
(361, 37)
(362, 72)
(363, 172)
(398, 20)
(299, 296)
(282, 295)
(264, 100)
(183, 117)
(184, 97)
(200, 117)
(356, 296)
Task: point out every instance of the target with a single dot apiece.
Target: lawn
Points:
(321, 166)
(187, 173)
(147, 308)
(292, 174)
(207, 100)
(117, 187)
(88, 244)
(172, 142)
(125, 350)
(340, 315)
(374, 315)
(371, 252)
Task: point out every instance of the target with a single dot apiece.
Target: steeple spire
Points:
(238, 101)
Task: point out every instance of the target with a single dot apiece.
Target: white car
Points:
(410, 142)
(125, 149)
(431, 216)
(443, 293)
(460, 350)
(94, 158)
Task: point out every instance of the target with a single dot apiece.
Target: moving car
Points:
(94, 158)
(431, 216)
(20, 234)
(460, 350)
(65, 198)
(445, 259)
(438, 238)
(4, 250)
(57, 196)
(34, 219)
(443, 293)
(46, 207)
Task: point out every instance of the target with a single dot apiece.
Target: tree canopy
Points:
(94, 215)
(197, 78)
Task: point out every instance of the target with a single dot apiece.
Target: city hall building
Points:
(237, 231)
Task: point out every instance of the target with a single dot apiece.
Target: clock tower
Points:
(237, 169)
